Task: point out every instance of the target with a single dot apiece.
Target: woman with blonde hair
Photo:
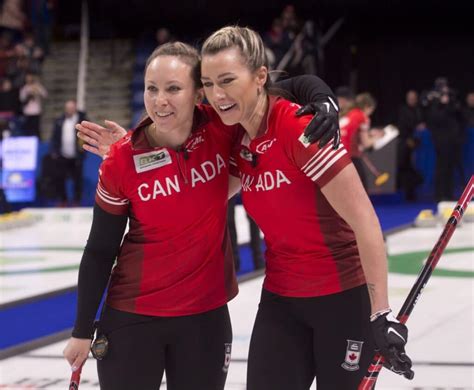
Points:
(324, 307)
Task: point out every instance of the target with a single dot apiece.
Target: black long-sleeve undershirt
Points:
(101, 250)
(107, 230)
(305, 89)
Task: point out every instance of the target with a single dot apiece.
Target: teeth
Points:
(226, 107)
(163, 114)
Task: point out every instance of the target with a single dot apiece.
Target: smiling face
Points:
(230, 86)
(170, 94)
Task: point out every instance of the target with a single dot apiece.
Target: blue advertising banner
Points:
(19, 168)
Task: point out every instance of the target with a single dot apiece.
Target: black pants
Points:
(408, 178)
(70, 167)
(296, 339)
(193, 350)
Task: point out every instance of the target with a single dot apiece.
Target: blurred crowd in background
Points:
(293, 45)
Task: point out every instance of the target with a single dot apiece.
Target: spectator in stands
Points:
(32, 95)
(255, 239)
(468, 111)
(7, 52)
(163, 35)
(66, 148)
(290, 21)
(442, 119)
(18, 67)
(41, 18)
(32, 51)
(410, 119)
(9, 99)
(467, 131)
(12, 18)
(345, 99)
(466, 121)
(9, 103)
(277, 41)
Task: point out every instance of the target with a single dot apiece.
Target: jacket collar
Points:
(140, 141)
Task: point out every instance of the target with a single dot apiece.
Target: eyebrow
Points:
(168, 82)
(220, 76)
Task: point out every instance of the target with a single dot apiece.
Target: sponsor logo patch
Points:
(265, 145)
(147, 161)
(304, 140)
(353, 352)
(194, 143)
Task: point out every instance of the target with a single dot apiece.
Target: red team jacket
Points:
(176, 257)
(350, 125)
(311, 251)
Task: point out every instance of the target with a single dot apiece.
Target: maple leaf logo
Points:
(353, 356)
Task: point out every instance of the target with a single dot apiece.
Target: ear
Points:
(199, 97)
(261, 75)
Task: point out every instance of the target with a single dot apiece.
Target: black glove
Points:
(325, 123)
(390, 339)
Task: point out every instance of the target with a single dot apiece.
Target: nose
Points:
(161, 99)
(218, 92)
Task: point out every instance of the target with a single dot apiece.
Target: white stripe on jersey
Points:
(110, 202)
(106, 194)
(319, 158)
(314, 160)
(232, 161)
(102, 194)
(315, 175)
